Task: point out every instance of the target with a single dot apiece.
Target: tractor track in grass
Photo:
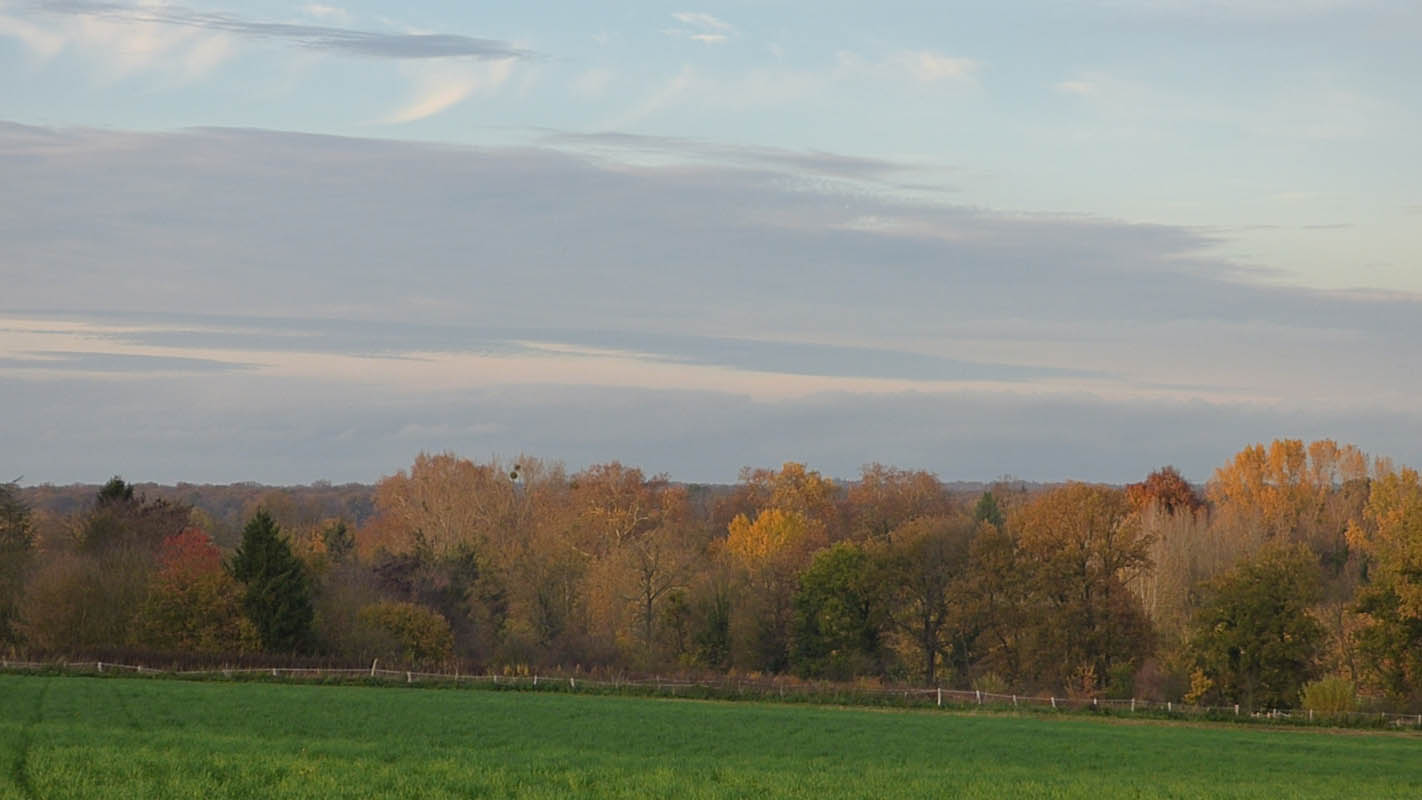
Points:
(19, 772)
(130, 718)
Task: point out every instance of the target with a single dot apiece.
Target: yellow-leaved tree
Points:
(767, 554)
(1390, 535)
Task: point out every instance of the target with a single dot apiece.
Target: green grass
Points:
(67, 737)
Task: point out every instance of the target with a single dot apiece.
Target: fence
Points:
(729, 687)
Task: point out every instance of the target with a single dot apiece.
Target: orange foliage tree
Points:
(193, 604)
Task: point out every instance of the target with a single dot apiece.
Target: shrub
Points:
(991, 683)
(1331, 695)
(423, 634)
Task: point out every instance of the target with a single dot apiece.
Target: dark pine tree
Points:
(987, 510)
(278, 594)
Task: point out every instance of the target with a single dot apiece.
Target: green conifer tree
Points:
(987, 510)
(278, 594)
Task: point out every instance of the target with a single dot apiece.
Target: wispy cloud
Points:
(702, 20)
(701, 27)
(345, 41)
(120, 47)
(668, 93)
(40, 40)
(116, 363)
(320, 11)
(1083, 88)
(804, 162)
(440, 86)
(929, 67)
(921, 67)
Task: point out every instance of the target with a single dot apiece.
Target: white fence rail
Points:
(828, 692)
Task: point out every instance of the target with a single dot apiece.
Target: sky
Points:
(288, 242)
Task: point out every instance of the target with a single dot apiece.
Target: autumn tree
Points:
(885, 497)
(488, 545)
(193, 605)
(1310, 493)
(443, 506)
(1184, 551)
(1390, 537)
(616, 505)
(75, 604)
(634, 534)
(840, 615)
(925, 565)
(277, 595)
(768, 553)
(696, 621)
(996, 597)
(16, 544)
(1283, 492)
(1168, 490)
(644, 572)
(793, 489)
(1084, 544)
(90, 590)
(1253, 636)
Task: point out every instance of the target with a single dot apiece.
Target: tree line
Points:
(1295, 576)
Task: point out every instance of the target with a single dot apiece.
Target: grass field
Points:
(67, 737)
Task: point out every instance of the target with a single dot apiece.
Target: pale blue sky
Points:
(1194, 217)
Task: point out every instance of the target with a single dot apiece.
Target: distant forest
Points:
(1293, 576)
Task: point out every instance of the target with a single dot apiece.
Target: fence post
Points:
(535, 679)
(940, 697)
(1054, 703)
(980, 696)
(1133, 704)
(571, 684)
(1014, 701)
(101, 666)
(408, 677)
(372, 667)
(1169, 706)
(274, 673)
(1310, 715)
(1236, 709)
